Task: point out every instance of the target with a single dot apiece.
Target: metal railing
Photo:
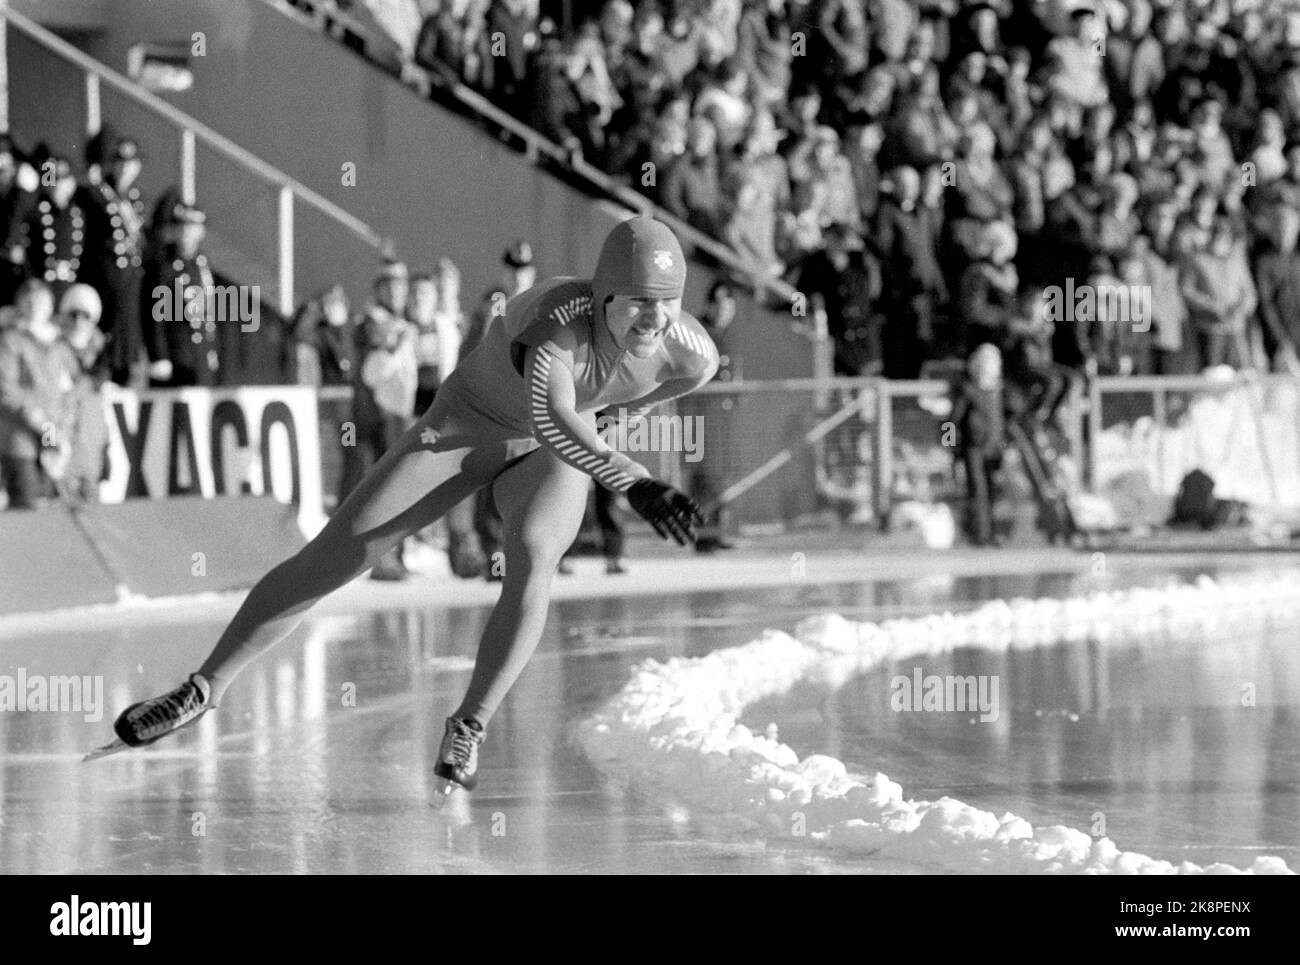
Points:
(191, 130)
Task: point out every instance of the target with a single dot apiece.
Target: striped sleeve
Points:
(558, 427)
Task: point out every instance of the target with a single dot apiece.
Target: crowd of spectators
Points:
(81, 260)
(917, 167)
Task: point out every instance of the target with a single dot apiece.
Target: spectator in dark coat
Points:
(913, 284)
(513, 25)
(18, 184)
(843, 280)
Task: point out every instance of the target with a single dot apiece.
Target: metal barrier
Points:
(778, 453)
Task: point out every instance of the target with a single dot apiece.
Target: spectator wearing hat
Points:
(18, 186)
(518, 274)
(80, 310)
(183, 347)
(53, 236)
(38, 374)
(115, 245)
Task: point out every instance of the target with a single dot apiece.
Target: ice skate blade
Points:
(116, 747)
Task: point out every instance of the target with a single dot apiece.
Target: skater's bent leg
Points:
(410, 487)
(542, 502)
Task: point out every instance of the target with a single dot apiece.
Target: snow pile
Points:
(674, 729)
(1228, 434)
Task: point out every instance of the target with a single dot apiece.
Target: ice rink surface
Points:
(291, 774)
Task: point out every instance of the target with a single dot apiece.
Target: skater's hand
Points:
(670, 511)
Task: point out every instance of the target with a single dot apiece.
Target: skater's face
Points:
(638, 324)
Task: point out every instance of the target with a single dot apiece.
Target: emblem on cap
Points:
(663, 260)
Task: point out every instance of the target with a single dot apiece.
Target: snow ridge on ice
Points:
(673, 729)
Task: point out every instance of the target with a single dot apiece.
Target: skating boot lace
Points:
(170, 711)
(464, 744)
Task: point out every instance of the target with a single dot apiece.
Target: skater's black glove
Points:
(670, 511)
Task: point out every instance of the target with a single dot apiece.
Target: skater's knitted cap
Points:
(641, 258)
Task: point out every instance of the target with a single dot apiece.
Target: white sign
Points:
(252, 440)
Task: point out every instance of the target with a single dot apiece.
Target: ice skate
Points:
(143, 723)
(458, 756)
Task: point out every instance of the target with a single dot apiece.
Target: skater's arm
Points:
(556, 424)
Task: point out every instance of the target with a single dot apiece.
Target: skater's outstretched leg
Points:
(409, 488)
(416, 482)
